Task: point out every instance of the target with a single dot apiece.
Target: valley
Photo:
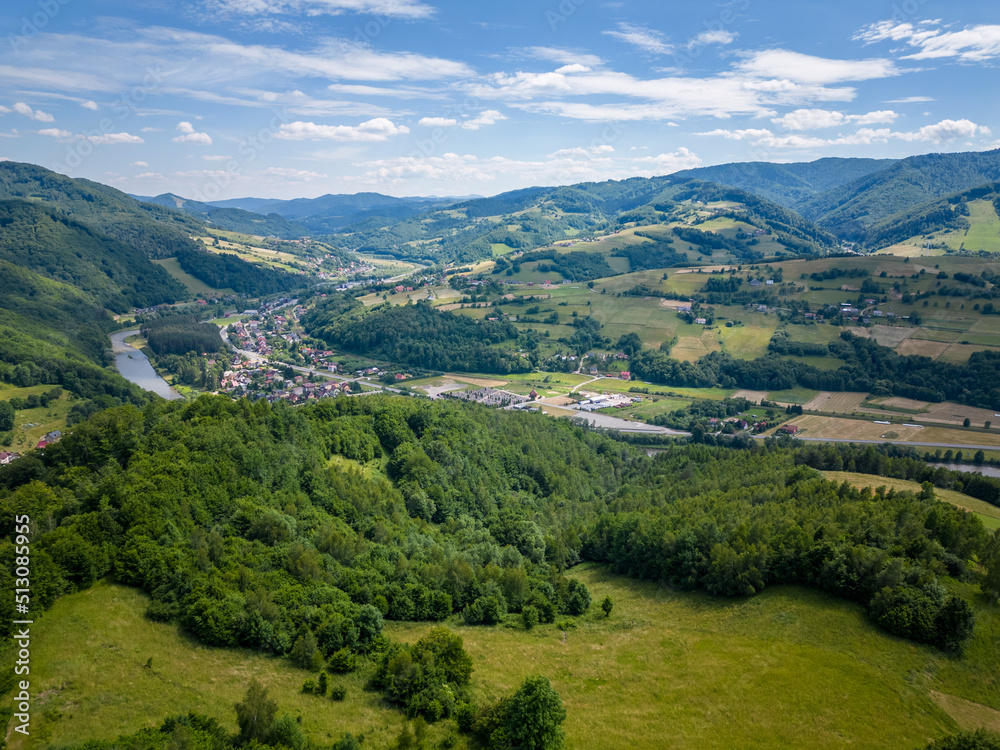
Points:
(660, 437)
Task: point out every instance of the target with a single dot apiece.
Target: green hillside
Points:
(114, 274)
(788, 184)
(234, 219)
(850, 210)
(156, 231)
(333, 536)
(535, 217)
(964, 221)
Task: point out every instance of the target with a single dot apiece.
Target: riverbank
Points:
(134, 366)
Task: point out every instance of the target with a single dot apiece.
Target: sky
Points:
(220, 99)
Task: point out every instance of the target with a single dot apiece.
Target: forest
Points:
(415, 335)
(224, 271)
(232, 517)
(180, 334)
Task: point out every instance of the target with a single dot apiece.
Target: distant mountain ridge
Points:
(234, 219)
(850, 196)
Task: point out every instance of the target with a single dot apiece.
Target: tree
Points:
(607, 605)
(529, 616)
(534, 715)
(255, 714)
(981, 739)
(322, 684)
(6, 416)
(966, 422)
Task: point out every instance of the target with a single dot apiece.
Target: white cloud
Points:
(89, 105)
(149, 176)
(581, 152)
(648, 40)
(574, 68)
(808, 69)
(562, 167)
(377, 129)
(675, 161)
(4, 110)
(971, 44)
(150, 130)
(138, 164)
(948, 130)
(35, 114)
(941, 132)
(190, 135)
(408, 9)
(815, 119)
(108, 138)
(564, 56)
(716, 36)
(216, 157)
(292, 174)
(486, 117)
(437, 122)
(910, 100)
(55, 133)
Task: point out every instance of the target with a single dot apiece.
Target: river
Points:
(134, 366)
(986, 471)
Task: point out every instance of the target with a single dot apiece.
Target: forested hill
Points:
(113, 274)
(851, 209)
(533, 217)
(787, 184)
(945, 213)
(234, 219)
(156, 231)
(417, 335)
(232, 516)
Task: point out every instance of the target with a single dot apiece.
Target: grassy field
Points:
(791, 667)
(31, 424)
(194, 285)
(988, 514)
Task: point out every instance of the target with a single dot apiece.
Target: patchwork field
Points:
(836, 403)
(837, 428)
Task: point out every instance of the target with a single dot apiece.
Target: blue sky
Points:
(288, 98)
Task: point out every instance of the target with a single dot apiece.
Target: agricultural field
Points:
(837, 428)
(30, 425)
(712, 672)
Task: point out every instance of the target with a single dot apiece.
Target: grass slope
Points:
(789, 668)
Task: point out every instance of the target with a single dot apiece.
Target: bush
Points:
(342, 661)
(338, 692)
(529, 616)
(309, 686)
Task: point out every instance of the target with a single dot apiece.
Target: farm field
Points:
(787, 666)
(30, 425)
(835, 403)
(837, 428)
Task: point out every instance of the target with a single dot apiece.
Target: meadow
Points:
(791, 667)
